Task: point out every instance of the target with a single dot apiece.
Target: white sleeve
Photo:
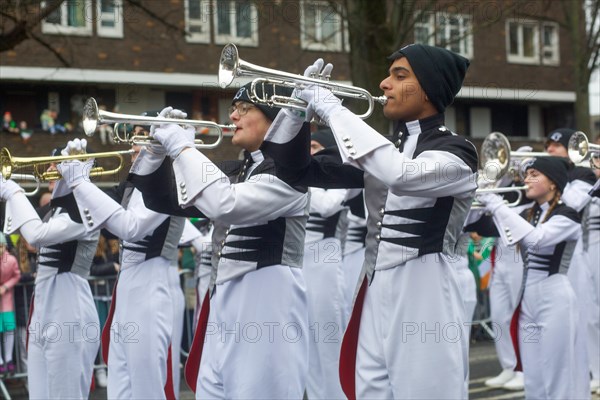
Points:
(98, 210)
(327, 202)
(262, 197)
(577, 194)
(20, 215)
(431, 174)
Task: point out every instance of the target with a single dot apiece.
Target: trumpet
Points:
(497, 159)
(28, 178)
(9, 164)
(580, 149)
(93, 116)
(510, 189)
(231, 67)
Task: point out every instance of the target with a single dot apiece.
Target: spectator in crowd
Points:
(8, 124)
(48, 121)
(9, 277)
(25, 132)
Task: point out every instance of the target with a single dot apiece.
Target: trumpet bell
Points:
(228, 65)
(580, 149)
(91, 116)
(495, 156)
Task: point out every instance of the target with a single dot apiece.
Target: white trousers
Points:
(178, 316)
(351, 267)
(412, 341)
(141, 332)
(548, 341)
(64, 337)
(505, 285)
(256, 344)
(327, 308)
(468, 286)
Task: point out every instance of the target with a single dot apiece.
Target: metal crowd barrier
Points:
(102, 287)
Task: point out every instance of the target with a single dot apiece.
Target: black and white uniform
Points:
(407, 322)
(64, 329)
(576, 195)
(322, 270)
(354, 247)
(591, 247)
(544, 327)
(142, 320)
(255, 343)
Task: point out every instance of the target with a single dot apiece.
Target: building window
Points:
(550, 46)
(197, 21)
(110, 18)
(322, 26)
(523, 42)
(236, 21)
(451, 31)
(73, 17)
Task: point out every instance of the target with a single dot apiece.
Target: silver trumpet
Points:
(231, 67)
(498, 190)
(93, 116)
(580, 149)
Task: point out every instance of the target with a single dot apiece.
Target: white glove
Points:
(167, 112)
(174, 138)
(75, 146)
(8, 188)
(74, 172)
(491, 201)
(319, 99)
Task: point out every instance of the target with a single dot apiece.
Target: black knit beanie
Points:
(440, 72)
(555, 168)
(270, 112)
(324, 136)
(561, 135)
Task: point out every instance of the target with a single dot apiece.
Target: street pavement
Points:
(483, 365)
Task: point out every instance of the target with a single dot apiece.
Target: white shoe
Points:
(499, 381)
(594, 385)
(101, 378)
(515, 383)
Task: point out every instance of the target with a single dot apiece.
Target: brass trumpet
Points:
(231, 67)
(93, 116)
(9, 164)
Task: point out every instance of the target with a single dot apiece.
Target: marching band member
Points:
(575, 195)
(409, 296)
(140, 324)
(326, 231)
(591, 246)
(63, 330)
(544, 327)
(256, 337)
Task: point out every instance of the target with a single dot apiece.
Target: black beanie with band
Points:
(561, 136)
(243, 94)
(555, 168)
(440, 72)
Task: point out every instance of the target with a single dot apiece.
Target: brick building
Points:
(520, 81)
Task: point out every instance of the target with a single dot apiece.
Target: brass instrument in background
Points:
(580, 149)
(231, 67)
(39, 165)
(27, 178)
(497, 159)
(93, 116)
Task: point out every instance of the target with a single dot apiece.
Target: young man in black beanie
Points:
(405, 337)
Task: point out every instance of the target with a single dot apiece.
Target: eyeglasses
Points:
(242, 108)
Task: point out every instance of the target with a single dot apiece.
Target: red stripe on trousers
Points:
(350, 345)
(192, 366)
(514, 334)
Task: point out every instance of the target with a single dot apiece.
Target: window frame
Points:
(554, 47)
(340, 42)
(63, 29)
(116, 31)
(204, 21)
(431, 22)
(233, 38)
(520, 58)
